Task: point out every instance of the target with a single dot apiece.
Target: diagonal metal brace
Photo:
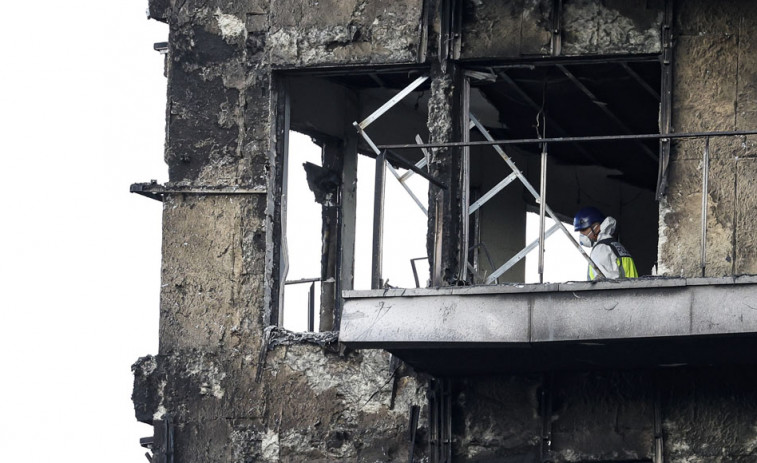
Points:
(400, 161)
(389, 104)
(420, 164)
(490, 194)
(407, 188)
(517, 257)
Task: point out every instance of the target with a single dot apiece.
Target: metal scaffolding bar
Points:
(407, 189)
(517, 257)
(420, 164)
(490, 194)
(534, 193)
(393, 101)
(643, 83)
(415, 270)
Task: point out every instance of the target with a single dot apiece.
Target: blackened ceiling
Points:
(579, 100)
(593, 97)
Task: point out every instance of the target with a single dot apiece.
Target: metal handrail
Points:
(527, 141)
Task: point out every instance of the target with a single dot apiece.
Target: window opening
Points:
(302, 289)
(404, 228)
(562, 99)
(322, 105)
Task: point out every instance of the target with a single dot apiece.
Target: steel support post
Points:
(311, 307)
(465, 180)
(705, 181)
(666, 99)
(378, 221)
(658, 438)
(542, 209)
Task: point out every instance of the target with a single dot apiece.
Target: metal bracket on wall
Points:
(164, 437)
(154, 190)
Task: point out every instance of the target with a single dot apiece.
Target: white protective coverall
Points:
(602, 253)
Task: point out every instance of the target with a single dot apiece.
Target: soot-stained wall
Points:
(715, 72)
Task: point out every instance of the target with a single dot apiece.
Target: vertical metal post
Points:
(542, 209)
(705, 181)
(658, 442)
(556, 39)
(666, 98)
(434, 420)
(311, 307)
(378, 220)
(545, 409)
(447, 394)
(465, 188)
(347, 220)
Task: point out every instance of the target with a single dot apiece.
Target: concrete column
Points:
(445, 125)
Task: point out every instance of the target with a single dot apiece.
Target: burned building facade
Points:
(647, 109)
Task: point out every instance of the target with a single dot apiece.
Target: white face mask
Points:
(585, 241)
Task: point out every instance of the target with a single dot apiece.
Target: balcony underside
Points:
(507, 328)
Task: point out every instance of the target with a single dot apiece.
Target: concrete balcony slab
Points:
(634, 323)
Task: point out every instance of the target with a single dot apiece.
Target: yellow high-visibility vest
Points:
(626, 265)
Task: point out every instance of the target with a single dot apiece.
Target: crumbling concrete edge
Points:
(274, 336)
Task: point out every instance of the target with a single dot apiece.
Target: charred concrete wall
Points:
(227, 389)
(715, 72)
(300, 402)
(701, 414)
(522, 28)
(225, 386)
